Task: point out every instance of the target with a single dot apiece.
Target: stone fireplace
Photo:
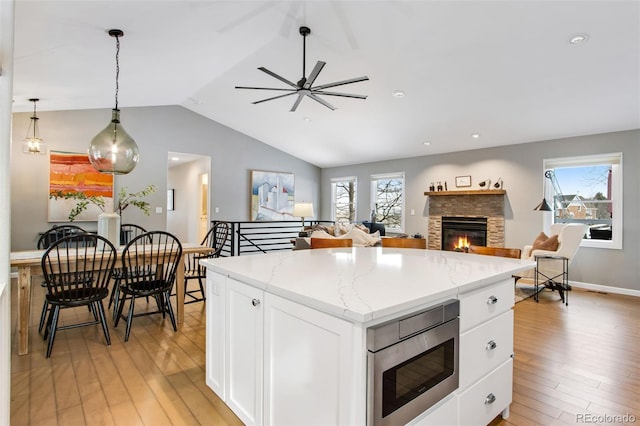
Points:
(485, 204)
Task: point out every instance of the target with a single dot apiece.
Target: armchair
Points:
(569, 237)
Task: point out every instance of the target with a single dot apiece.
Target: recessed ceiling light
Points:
(578, 38)
(426, 143)
(475, 135)
(398, 94)
(307, 119)
(175, 158)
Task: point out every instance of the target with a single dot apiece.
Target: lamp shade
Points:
(303, 210)
(543, 206)
(113, 150)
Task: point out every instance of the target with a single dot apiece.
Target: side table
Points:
(553, 272)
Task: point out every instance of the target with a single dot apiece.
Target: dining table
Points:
(28, 263)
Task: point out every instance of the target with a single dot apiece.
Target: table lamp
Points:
(303, 210)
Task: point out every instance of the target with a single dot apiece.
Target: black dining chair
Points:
(55, 233)
(128, 232)
(216, 238)
(46, 240)
(158, 252)
(77, 274)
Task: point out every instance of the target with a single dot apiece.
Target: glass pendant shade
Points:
(113, 150)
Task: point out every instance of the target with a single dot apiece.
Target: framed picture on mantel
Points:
(463, 181)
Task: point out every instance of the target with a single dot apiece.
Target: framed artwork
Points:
(462, 181)
(72, 172)
(272, 195)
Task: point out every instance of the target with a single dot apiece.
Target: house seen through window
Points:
(588, 190)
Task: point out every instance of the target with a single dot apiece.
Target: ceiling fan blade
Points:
(340, 83)
(265, 88)
(345, 95)
(274, 75)
(297, 102)
(275, 97)
(322, 101)
(314, 74)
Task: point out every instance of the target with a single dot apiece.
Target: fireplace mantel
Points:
(468, 192)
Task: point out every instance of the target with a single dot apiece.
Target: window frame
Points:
(334, 182)
(615, 160)
(373, 198)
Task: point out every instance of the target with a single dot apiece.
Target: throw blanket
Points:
(359, 237)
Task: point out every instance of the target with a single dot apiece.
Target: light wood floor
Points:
(156, 378)
(580, 359)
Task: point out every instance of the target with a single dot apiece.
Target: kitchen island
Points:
(286, 339)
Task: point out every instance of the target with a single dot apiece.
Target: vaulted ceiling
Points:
(504, 70)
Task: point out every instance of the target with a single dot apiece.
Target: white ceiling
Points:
(503, 69)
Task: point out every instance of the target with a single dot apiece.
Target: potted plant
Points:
(125, 200)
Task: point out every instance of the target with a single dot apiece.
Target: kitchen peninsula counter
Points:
(286, 331)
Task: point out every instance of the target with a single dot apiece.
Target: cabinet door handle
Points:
(255, 302)
(491, 345)
(490, 399)
(492, 300)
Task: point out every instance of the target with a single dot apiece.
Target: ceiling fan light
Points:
(304, 87)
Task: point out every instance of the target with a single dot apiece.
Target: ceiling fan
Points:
(304, 86)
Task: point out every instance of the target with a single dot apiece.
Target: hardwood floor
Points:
(583, 359)
(576, 361)
(156, 378)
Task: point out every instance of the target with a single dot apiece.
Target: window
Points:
(588, 189)
(343, 199)
(387, 200)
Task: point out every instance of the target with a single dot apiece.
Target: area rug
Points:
(524, 291)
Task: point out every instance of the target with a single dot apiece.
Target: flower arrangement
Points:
(125, 200)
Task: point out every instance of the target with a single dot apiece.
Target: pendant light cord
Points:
(117, 67)
(34, 118)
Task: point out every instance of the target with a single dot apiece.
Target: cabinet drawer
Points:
(481, 305)
(485, 347)
(483, 401)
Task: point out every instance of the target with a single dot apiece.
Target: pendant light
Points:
(33, 143)
(113, 150)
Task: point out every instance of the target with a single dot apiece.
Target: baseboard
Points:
(605, 288)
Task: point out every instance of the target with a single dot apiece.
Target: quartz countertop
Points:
(364, 284)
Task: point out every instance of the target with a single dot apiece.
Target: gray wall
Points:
(157, 130)
(520, 167)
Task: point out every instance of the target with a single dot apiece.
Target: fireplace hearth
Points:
(458, 233)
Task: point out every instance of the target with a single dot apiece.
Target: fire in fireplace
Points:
(458, 233)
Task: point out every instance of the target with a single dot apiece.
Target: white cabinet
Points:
(243, 354)
(485, 399)
(215, 327)
(486, 350)
(309, 367)
(276, 362)
(443, 413)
